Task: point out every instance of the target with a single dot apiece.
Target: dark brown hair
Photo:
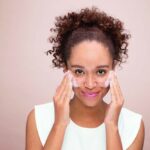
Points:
(88, 24)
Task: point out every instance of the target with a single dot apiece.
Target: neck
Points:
(80, 111)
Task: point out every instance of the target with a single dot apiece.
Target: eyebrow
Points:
(79, 66)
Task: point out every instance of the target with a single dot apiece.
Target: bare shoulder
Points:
(31, 118)
(32, 138)
(139, 140)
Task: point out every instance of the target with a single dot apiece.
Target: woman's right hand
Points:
(61, 101)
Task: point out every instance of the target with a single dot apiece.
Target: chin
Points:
(90, 104)
(90, 101)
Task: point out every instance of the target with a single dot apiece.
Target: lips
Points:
(90, 94)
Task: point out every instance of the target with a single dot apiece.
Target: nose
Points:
(90, 82)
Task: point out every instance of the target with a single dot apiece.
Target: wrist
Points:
(111, 124)
(112, 127)
(60, 125)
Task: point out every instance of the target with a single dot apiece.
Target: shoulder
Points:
(30, 119)
(128, 115)
(129, 120)
(44, 114)
(38, 112)
(44, 106)
(130, 123)
(32, 138)
(139, 140)
(44, 111)
(44, 119)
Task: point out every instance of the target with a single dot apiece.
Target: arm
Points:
(114, 141)
(32, 139)
(113, 138)
(139, 140)
(62, 118)
(54, 140)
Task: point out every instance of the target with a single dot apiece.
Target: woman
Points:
(87, 45)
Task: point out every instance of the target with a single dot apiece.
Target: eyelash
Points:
(81, 72)
(78, 72)
(102, 70)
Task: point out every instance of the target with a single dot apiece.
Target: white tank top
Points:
(81, 138)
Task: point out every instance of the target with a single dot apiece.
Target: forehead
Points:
(90, 54)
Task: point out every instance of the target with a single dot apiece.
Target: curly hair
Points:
(88, 24)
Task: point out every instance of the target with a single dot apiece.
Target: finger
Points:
(114, 84)
(61, 87)
(62, 82)
(65, 90)
(117, 85)
(117, 90)
(112, 91)
(69, 92)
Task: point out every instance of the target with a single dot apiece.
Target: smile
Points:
(89, 94)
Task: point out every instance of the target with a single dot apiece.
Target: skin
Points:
(81, 109)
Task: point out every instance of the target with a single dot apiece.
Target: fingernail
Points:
(74, 82)
(106, 84)
(72, 95)
(114, 73)
(111, 83)
(66, 73)
(70, 83)
(111, 72)
(69, 75)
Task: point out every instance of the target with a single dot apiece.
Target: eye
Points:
(101, 72)
(78, 72)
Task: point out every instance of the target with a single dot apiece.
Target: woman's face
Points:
(90, 63)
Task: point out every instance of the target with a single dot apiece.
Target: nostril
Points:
(90, 84)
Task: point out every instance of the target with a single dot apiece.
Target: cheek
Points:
(105, 91)
(76, 90)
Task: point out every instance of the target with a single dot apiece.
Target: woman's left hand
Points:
(117, 100)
